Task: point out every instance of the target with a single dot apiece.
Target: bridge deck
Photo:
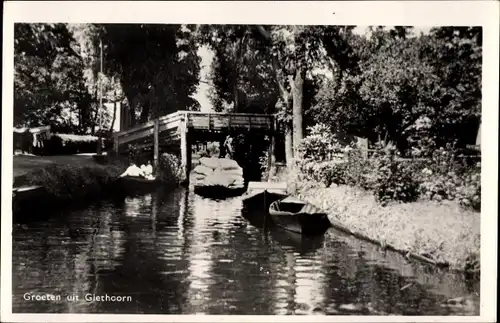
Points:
(169, 126)
(174, 130)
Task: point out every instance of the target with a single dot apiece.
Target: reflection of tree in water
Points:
(140, 273)
(367, 286)
(184, 254)
(65, 256)
(299, 289)
(242, 270)
(209, 224)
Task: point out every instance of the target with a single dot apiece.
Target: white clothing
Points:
(133, 171)
(148, 170)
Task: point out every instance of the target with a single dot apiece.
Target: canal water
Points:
(173, 252)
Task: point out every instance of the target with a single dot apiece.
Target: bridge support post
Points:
(271, 157)
(156, 143)
(185, 150)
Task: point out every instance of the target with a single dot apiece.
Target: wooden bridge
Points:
(179, 130)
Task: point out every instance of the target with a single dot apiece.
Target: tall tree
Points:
(240, 70)
(48, 74)
(297, 51)
(157, 64)
(403, 79)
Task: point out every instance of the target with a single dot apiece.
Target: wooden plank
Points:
(148, 131)
(216, 121)
(136, 136)
(170, 118)
(267, 186)
(225, 114)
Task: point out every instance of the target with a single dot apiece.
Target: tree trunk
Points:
(289, 153)
(94, 120)
(114, 117)
(298, 113)
(288, 146)
(145, 112)
(236, 107)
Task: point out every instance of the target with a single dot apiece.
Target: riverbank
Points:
(62, 184)
(72, 179)
(410, 227)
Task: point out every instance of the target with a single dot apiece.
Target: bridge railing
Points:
(168, 122)
(195, 120)
(219, 121)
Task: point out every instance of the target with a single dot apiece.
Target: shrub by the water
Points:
(65, 183)
(397, 201)
(170, 169)
(393, 180)
(443, 176)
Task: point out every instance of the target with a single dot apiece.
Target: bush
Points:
(469, 193)
(394, 180)
(67, 144)
(65, 183)
(170, 169)
(443, 176)
(321, 145)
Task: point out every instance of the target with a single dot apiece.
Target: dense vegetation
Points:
(420, 92)
(58, 73)
(415, 97)
(390, 85)
(443, 176)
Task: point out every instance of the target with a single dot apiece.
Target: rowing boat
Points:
(298, 216)
(260, 195)
(138, 184)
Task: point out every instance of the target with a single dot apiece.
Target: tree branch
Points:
(263, 32)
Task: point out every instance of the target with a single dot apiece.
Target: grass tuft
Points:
(442, 231)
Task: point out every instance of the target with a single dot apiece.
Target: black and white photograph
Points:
(254, 168)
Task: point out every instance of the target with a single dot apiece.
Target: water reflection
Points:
(178, 253)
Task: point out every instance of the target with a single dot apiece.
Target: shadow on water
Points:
(174, 252)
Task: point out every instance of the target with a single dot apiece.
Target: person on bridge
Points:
(228, 145)
(133, 171)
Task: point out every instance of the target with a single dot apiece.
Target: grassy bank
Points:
(80, 180)
(66, 185)
(441, 231)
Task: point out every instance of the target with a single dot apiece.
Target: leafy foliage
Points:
(58, 79)
(48, 74)
(157, 64)
(402, 80)
(394, 181)
(442, 177)
(170, 170)
(241, 74)
(68, 183)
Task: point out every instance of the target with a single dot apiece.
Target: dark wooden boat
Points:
(28, 196)
(298, 216)
(218, 191)
(260, 195)
(131, 184)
